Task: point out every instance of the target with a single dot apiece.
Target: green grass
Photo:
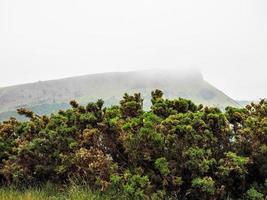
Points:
(52, 192)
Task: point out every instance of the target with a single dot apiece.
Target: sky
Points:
(226, 40)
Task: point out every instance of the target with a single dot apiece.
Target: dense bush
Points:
(176, 150)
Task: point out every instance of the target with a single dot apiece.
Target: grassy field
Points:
(52, 192)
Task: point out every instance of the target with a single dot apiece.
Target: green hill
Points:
(45, 97)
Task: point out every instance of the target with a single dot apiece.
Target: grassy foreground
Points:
(52, 192)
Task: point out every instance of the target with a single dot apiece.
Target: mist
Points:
(225, 40)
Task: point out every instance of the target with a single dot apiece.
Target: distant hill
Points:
(45, 97)
(243, 103)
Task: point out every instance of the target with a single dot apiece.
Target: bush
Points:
(175, 150)
(253, 194)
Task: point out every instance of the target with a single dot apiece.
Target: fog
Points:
(226, 40)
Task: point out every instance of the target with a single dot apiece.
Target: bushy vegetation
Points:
(175, 150)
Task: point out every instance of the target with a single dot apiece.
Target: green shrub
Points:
(174, 150)
(253, 194)
(162, 165)
(204, 185)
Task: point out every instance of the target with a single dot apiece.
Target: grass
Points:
(52, 192)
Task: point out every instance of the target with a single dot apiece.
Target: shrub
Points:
(175, 150)
(253, 194)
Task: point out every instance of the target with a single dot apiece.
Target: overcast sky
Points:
(226, 39)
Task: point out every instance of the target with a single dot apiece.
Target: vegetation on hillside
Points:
(43, 109)
(175, 150)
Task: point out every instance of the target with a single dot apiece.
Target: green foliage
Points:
(253, 194)
(175, 150)
(233, 163)
(162, 165)
(204, 185)
(199, 160)
(135, 185)
(131, 106)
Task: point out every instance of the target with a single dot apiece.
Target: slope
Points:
(55, 94)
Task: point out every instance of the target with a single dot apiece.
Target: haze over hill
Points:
(227, 40)
(45, 97)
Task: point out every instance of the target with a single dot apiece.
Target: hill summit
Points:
(45, 97)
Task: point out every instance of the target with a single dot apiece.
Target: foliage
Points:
(203, 187)
(253, 194)
(162, 165)
(175, 150)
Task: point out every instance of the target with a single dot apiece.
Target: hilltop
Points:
(45, 97)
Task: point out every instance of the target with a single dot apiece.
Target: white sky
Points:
(226, 39)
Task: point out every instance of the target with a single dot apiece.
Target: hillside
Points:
(45, 97)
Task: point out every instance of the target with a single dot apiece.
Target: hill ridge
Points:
(110, 86)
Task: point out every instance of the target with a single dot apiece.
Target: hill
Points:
(45, 97)
(243, 103)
